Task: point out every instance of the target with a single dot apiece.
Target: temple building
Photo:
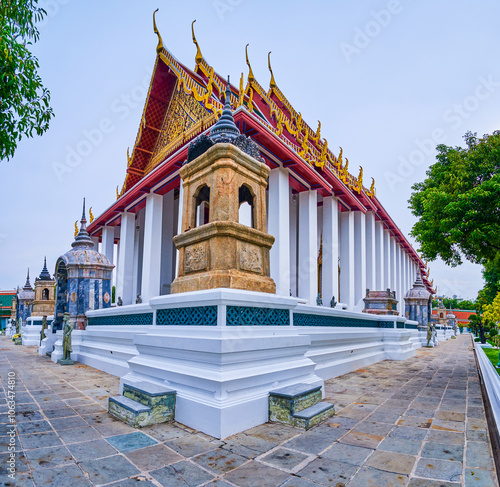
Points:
(313, 200)
(246, 253)
(6, 298)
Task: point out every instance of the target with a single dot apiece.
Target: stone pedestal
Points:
(381, 302)
(224, 253)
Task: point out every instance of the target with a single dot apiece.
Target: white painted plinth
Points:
(57, 353)
(31, 335)
(223, 374)
(47, 344)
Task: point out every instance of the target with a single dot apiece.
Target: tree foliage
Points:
(492, 310)
(24, 102)
(458, 205)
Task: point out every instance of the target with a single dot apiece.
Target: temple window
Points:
(45, 294)
(246, 207)
(202, 206)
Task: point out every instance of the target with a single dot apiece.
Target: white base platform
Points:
(223, 374)
(30, 335)
(47, 345)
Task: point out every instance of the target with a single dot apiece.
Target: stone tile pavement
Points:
(415, 423)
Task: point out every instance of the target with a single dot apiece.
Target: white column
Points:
(168, 250)
(96, 243)
(371, 257)
(308, 245)
(125, 271)
(359, 256)
(392, 283)
(108, 242)
(151, 261)
(379, 256)
(179, 225)
(279, 228)
(398, 275)
(293, 205)
(138, 254)
(347, 258)
(387, 259)
(330, 276)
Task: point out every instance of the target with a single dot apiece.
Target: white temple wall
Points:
(387, 259)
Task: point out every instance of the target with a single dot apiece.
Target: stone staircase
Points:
(143, 404)
(299, 405)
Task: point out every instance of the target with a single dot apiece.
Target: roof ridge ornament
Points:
(199, 57)
(272, 82)
(159, 47)
(251, 77)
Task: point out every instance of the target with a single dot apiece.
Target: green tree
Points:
(24, 102)
(458, 205)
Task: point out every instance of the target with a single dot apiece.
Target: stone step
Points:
(286, 401)
(129, 411)
(311, 416)
(150, 394)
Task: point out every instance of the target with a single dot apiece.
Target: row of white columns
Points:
(367, 254)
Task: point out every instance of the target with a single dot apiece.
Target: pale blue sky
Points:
(384, 77)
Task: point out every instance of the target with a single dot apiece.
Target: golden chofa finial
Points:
(91, 216)
(198, 58)
(250, 72)
(159, 47)
(117, 193)
(272, 83)
(372, 187)
(76, 228)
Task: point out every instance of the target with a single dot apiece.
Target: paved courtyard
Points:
(416, 423)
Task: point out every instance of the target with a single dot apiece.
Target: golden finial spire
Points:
(198, 58)
(250, 72)
(272, 83)
(76, 228)
(372, 187)
(159, 47)
(91, 216)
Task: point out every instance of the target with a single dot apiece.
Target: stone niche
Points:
(381, 302)
(215, 249)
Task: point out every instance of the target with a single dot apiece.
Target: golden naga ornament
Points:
(198, 58)
(91, 216)
(76, 228)
(159, 47)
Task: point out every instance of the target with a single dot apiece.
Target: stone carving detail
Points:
(195, 258)
(251, 259)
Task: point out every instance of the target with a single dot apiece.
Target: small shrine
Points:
(224, 170)
(381, 302)
(417, 303)
(44, 302)
(83, 278)
(25, 298)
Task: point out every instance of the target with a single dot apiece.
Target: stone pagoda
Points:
(83, 280)
(25, 298)
(223, 171)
